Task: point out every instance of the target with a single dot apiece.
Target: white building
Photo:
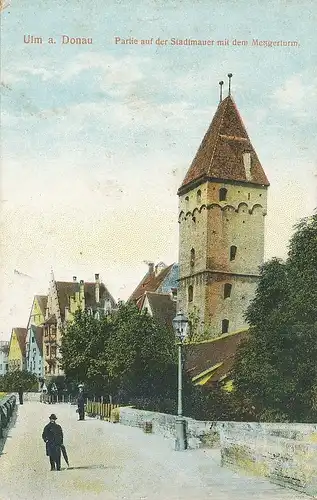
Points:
(4, 350)
(34, 350)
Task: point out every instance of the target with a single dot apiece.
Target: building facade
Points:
(64, 299)
(34, 337)
(16, 355)
(4, 350)
(222, 205)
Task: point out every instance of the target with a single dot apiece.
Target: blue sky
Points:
(96, 139)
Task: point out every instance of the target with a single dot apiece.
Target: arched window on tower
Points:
(227, 290)
(225, 326)
(190, 293)
(233, 252)
(192, 258)
(198, 196)
(223, 194)
(187, 200)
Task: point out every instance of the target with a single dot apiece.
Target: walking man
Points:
(81, 403)
(53, 437)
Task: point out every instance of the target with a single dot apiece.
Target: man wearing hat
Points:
(53, 437)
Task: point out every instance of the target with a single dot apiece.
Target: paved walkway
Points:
(114, 462)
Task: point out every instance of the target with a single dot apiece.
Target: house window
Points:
(198, 196)
(47, 350)
(233, 252)
(223, 194)
(227, 290)
(190, 293)
(225, 326)
(192, 257)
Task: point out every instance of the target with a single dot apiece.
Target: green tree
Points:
(19, 380)
(141, 354)
(275, 370)
(124, 354)
(84, 352)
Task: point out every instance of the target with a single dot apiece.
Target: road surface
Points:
(114, 462)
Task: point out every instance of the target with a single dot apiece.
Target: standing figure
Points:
(53, 437)
(20, 391)
(81, 404)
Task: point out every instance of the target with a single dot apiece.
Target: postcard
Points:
(151, 152)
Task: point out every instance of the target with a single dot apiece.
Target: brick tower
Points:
(222, 204)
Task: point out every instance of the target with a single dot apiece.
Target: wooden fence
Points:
(100, 409)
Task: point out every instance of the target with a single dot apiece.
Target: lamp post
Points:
(180, 325)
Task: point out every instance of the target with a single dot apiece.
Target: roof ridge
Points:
(218, 131)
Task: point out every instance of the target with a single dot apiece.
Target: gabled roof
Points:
(66, 289)
(163, 308)
(220, 155)
(38, 335)
(213, 357)
(150, 283)
(21, 334)
(42, 302)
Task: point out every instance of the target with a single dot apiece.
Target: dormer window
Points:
(198, 196)
(223, 194)
(247, 165)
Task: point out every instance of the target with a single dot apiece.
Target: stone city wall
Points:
(284, 453)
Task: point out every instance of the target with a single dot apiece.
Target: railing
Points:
(7, 405)
(100, 409)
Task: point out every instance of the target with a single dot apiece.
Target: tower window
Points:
(227, 290)
(190, 293)
(187, 199)
(192, 257)
(225, 326)
(223, 194)
(198, 196)
(233, 252)
(249, 196)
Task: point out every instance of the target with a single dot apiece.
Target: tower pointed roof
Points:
(221, 153)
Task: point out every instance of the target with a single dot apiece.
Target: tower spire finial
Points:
(229, 76)
(221, 84)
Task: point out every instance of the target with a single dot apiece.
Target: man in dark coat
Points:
(20, 391)
(53, 437)
(81, 404)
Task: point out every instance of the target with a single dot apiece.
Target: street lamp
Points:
(180, 325)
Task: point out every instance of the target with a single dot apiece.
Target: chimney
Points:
(151, 267)
(97, 289)
(82, 294)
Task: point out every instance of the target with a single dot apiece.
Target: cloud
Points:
(298, 96)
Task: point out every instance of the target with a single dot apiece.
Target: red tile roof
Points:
(202, 356)
(220, 155)
(150, 283)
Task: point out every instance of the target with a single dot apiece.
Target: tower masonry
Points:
(222, 204)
